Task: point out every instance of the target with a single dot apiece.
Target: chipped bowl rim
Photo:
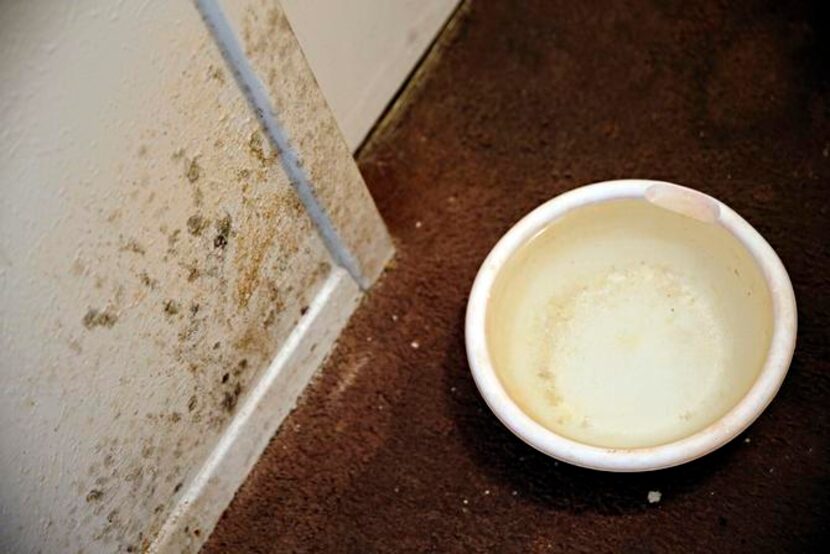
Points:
(700, 443)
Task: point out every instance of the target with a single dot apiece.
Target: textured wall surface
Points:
(153, 258)
(393, 450)
(275, 55)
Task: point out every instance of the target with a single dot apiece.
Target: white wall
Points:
(164, 293)
(361, 51)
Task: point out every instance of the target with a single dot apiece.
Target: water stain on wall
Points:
(191, 261)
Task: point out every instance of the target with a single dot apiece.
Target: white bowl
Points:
(610, 313)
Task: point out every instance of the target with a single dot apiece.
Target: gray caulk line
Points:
(257, 97)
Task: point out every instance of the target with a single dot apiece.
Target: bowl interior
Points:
(623, 324)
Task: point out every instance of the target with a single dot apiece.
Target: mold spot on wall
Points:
(172, 240)
(132, 245)
(194, 171)
(230, 398)
(256, 145)
(171, 307)
(147, 281)
(259, 233)
(223, 231)
(196, 224)
(270, 318)
(216, 73)
(198, 196)
(193, 273)
(147, 450)
(99, 318)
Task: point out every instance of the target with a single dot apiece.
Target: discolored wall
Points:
(154, 259)
(274, 54)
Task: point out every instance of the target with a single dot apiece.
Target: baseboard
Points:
(269, 402)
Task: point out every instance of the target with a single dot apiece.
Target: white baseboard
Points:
(260, 415)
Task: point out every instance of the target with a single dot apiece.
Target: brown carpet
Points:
(392, 448)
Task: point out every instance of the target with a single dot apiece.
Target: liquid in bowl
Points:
(623, 324)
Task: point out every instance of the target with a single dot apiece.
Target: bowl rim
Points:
(700, 443)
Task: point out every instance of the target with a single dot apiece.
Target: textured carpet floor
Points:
(392, 448)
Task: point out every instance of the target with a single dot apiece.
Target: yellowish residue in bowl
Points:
(625, 325)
